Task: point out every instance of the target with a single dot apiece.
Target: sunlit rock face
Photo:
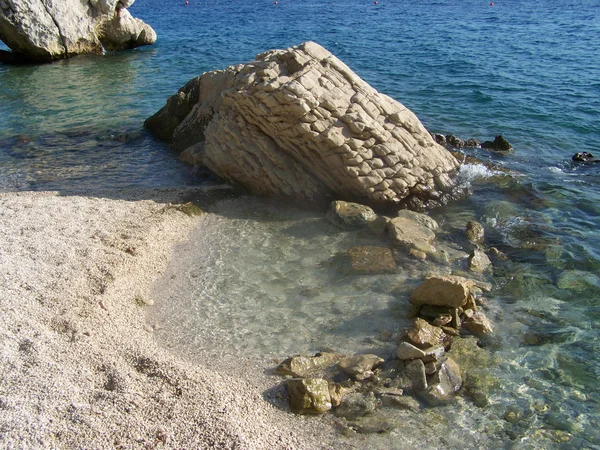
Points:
(45, 30)
(299, 124)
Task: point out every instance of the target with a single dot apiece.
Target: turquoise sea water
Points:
(527, 70)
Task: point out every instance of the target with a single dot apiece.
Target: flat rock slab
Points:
(366, 259)
(406, 232)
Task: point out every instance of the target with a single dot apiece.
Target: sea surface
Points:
(263, 281)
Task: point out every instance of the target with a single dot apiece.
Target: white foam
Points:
(470, 172)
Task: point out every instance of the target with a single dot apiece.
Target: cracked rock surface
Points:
(45, 30)
(299, 124)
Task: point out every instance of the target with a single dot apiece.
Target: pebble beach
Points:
(79, 365)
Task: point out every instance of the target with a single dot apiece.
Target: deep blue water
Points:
(528, 70)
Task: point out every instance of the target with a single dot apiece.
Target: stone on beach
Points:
(299, 124)
(43, 30)
(309, 395)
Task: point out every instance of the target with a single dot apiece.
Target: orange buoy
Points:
(186, 2)
(276, 3)
(376, 2)
(492, 4)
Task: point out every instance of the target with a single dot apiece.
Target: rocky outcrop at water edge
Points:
(45, 30)
(299, 124)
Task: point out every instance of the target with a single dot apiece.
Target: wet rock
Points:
(423, 335)
(404, 232)
(479, 261)
(360, 366)
(499, 144)
(357, 405)
(442, 291)
(413, 377)
(368, 260)
(442, 320)
(475, 232)
(586, 157)
(350, 216)
(443, 384)
(336, 392)
(420, 218)
(434, 354)
(416, 254)
(478, 324)
(408, 351)
(497, 254)
(304, 366)
(309, 395)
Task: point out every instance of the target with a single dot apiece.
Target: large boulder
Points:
(298, 123)
(45, 30)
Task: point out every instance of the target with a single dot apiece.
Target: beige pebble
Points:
(104, 305)
(148, 328)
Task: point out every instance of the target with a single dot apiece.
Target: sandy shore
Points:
(79, 367)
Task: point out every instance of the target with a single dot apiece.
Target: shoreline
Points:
(79, 364)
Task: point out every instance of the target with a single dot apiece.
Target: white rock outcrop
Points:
(45, 30)
(298, 123)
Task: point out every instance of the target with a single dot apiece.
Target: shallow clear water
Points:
(263, 281)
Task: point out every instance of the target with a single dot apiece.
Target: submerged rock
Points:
(298, 123)
(44, 30)
(405, 232)
(369, 259)
(350, 216)
(420, 218)
(357, 405)
(309, 395)
(474, 232)
(360, 366)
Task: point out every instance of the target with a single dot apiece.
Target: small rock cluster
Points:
(421, 370)
(499, 144)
